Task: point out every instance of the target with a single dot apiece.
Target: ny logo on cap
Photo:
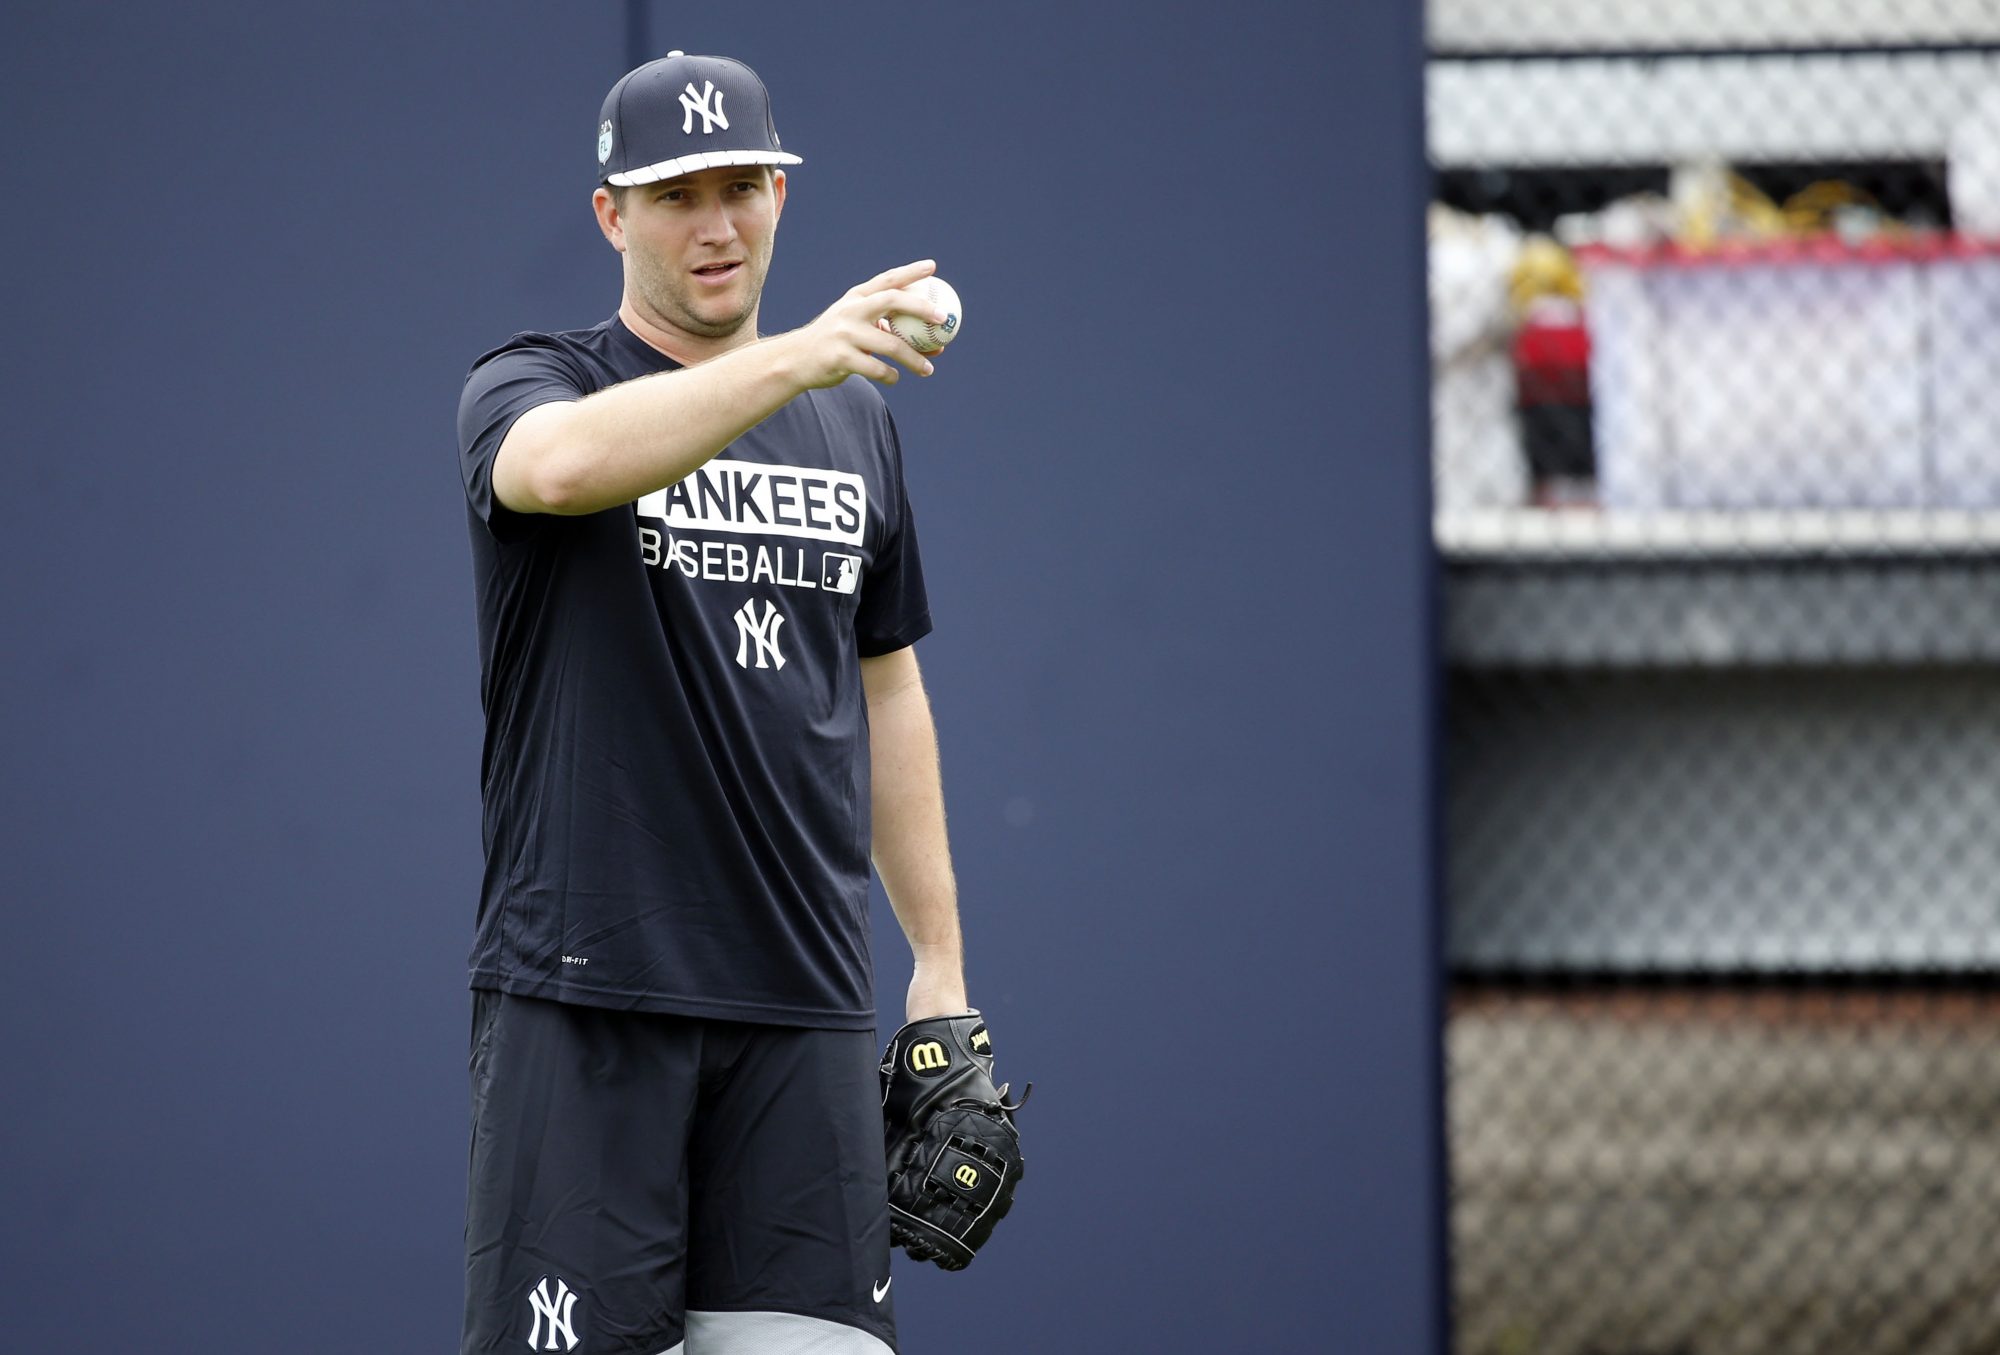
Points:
(693, 103)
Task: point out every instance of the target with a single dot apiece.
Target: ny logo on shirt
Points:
(762, 632)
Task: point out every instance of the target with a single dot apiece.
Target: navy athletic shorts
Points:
(644, 1183)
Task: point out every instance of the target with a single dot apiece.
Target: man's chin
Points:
(716, 327)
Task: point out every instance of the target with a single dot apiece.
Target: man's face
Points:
(697, 247)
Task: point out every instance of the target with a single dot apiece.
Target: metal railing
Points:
(1715, 296)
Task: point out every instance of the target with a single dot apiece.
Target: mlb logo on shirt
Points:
(840, 573)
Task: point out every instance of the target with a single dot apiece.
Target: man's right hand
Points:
(571, 457)
(848, 340)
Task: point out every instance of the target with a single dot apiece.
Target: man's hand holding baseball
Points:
(848, 339)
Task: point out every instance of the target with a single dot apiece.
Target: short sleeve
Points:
(502, 386)
(895, 611)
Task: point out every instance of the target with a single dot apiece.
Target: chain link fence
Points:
(1715, 299)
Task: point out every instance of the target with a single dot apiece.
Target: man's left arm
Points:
(910, 849)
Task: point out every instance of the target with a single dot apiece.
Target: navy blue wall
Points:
(1172, 490)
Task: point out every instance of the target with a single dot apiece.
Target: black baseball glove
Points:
(954, 1153)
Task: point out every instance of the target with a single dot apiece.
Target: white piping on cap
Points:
(687, 164)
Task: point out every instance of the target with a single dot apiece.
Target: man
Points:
(698, 584)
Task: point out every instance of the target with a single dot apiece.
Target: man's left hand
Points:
(935, 991)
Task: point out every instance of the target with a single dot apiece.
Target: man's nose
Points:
(713, 226)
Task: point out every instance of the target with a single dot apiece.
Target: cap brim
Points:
(688, 164)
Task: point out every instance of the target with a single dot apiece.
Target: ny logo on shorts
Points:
(560, 1312)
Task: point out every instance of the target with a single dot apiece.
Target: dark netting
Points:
(1715, 319)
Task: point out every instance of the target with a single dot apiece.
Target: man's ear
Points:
(778, 192)
(608, 218)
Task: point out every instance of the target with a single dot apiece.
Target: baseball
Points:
(921, 334)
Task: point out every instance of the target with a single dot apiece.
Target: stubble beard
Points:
(673, 300)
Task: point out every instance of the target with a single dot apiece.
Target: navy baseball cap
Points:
(683, 113)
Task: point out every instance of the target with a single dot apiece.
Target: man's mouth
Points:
(717, 272)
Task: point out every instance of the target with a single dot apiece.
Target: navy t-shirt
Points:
(675, 771)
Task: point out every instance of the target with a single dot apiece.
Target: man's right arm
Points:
(580, 456)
